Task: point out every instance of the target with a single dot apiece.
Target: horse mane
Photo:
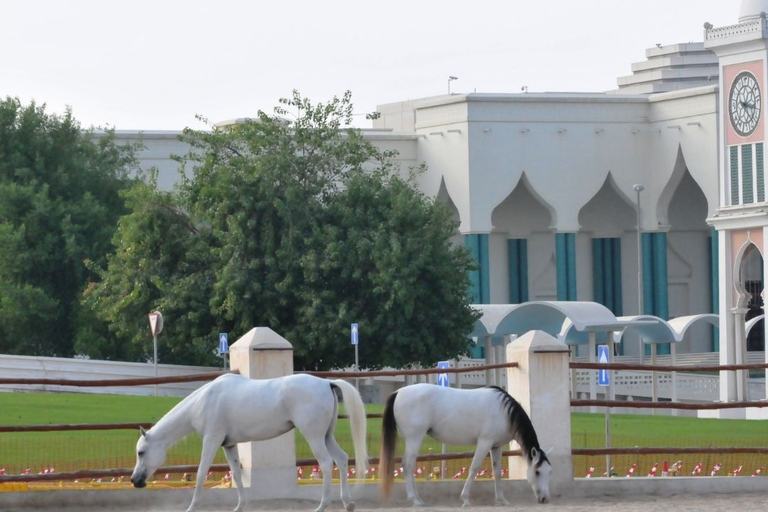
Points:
(522, 426)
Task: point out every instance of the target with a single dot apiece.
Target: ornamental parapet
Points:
(758, 29)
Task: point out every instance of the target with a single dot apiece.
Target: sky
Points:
(155, 65)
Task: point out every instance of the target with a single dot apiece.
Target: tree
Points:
(162, 262)
(382, 258)
(59, 204)
(296, 222)
(314, 230)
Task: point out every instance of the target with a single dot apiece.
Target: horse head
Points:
(539, 469)
(150, 455)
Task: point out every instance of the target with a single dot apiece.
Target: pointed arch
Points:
(743, 270)
(682, 184)
(523, 211)
(610, 212)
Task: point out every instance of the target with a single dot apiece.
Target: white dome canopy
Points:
(751, 9)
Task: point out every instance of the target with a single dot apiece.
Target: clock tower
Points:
(741, 221)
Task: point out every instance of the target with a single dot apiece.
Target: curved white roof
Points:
(751, 9)
(571, 322)
(682, 323)
(751, 323)
(547, 316)
(657, 330)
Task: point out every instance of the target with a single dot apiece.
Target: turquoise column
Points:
(714, 273)
(523, 255)
(655, 283)
(606, 271)
(608, 276)
(648, 297)
(571, 252)
(479, 288)
(561, 261)
(517, 270)
(479, 292)
(661, 286)
(598, 271)
(565, 258)
(618, 303)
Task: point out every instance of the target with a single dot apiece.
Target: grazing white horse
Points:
(487, 417)
(233, 409)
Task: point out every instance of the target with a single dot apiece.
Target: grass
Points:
(115, 449)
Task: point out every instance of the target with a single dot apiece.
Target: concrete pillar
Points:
(726, 303)
(269, 467)
(541, 384)
(489, 359)
(740, 349)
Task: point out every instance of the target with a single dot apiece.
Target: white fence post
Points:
(269, 467)
(541, 384)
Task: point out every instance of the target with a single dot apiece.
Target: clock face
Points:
(745, 103)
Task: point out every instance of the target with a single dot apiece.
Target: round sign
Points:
(156, 322)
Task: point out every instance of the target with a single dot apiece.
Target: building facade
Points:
(648, 199)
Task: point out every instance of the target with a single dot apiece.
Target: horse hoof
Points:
(350, 507)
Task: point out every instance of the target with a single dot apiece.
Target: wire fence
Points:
(69, 450)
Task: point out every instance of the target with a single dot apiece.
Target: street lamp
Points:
(451, 79)
(639, 188)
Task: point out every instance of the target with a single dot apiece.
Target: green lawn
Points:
(113, 449)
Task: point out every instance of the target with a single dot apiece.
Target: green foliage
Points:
(382, 257)
(300, 225)
(314, 229)
(162, 262)
(59, 204)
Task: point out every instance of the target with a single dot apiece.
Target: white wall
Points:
(29, 367)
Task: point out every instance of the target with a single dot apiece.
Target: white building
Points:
(544, 185)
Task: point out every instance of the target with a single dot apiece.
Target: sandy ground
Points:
(721, 503)
(597, 495)
(633, 504)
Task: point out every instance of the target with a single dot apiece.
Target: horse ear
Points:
(143, 432)
(548, 452)
(534, 454)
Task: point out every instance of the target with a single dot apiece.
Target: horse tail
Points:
(388, 445)
(358, 424)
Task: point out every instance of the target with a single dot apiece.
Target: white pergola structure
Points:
(572, 322)
(577, 323)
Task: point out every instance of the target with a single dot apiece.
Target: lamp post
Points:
(639, 188)
(451, 79)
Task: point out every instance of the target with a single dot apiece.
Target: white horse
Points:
(487, 417)
(233, 409)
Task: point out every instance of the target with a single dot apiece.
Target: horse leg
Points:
(237, 474)
(412, 445)
(341, 459)
(210, 446)
(483, 447)
(324, 460)
(496, 462)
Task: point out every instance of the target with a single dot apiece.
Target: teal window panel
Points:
(734, 174)
(517, 269)
(747, 175)
(760, 172)
(479, 288)
(606, 270)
